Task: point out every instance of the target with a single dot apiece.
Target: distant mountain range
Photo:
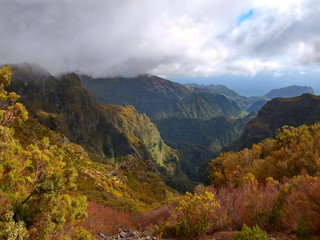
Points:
(160, 98)
(212, 134)
(288, 92)
(256, 102)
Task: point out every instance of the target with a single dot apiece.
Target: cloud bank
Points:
(162, 37)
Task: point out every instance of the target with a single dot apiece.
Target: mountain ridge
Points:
(65, 106)
(160, 98)
(254, 103)
(296, 111)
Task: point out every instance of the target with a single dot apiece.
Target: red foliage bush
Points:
(248, 204)
(302, 208)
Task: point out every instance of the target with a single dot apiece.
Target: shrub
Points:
(9, 229)
(302, 208)
(194, 215)
(250, 203)
(82, 234)
(251, 234)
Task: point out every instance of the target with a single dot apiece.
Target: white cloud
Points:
(285, 30)
(163, 37)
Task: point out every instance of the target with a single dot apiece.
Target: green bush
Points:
(82, 234)
(251, 234)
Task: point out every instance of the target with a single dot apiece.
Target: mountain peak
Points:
(71, 79)
(291, 91)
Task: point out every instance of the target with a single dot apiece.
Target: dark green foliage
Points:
(212, 134)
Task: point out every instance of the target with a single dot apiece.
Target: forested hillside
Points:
(273, 187)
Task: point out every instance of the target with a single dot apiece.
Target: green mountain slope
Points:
(45, 180)
(160, 98)
(212, 134)
(142, 134)
(113, 132)
(217, 89)
(276, 113)
(185, 116)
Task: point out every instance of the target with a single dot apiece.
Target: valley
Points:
(160, 120)
(134, 170)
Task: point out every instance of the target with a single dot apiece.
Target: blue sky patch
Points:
(245, 16)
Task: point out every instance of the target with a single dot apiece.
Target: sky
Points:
(247, 44)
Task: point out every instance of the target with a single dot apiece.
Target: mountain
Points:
(160, 98)
(256, 102)
(194, 161)
(187, 117)
(141, 133)
(217, 89)
(243, 102)
(287, 92)
(304, 109)
(106, 132)
(49, 184)
(198, 141)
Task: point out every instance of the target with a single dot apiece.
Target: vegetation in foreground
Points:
(45, 182)
(38, 191)
(273, 187)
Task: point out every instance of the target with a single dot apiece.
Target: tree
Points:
(37, 175)
(10, 109)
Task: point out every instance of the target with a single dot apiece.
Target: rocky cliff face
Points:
(142, 134)
(109, 131)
